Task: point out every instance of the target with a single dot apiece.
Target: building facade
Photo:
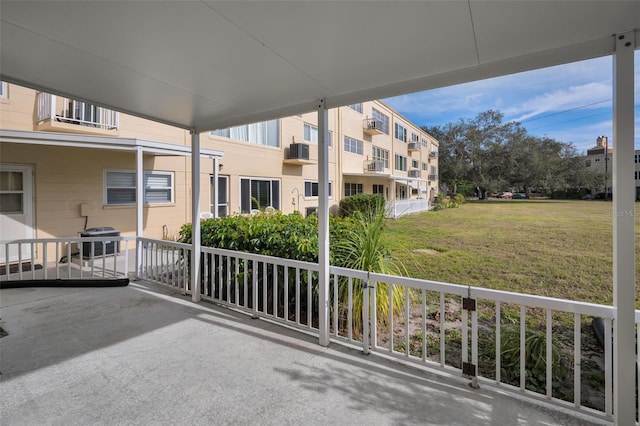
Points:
(67, 165)
(600, 159)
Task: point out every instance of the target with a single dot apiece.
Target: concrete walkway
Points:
(146, 355)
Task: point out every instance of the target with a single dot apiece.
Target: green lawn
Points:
(551, 248)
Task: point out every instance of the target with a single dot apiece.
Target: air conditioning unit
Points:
(414, 173)
(299, 151)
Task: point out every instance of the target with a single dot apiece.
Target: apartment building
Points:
(373, 150)
(600, 159)
(67, 165)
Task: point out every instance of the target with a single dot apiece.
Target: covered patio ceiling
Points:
(212, 64)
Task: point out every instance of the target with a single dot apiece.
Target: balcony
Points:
(433, 154)
(372, 126)
(125, 337)
(433, 177)
(373, 166)
(298, 154)
(56, 113)
(413, 146)
(414, 173)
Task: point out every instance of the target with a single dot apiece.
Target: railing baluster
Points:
(297, 296)
(373, 317)
(390, 319)
(406, 319)
(228, 279)
(265, 287)
(498, 342)
(235, 281)
(309, 299)
(577, 356)
(254, 286)
(424, 325)
(350, 308)
(465, 335)
(442, 330)
(523, 339)
(549, 354)
(335, 304)
(45, 263)
(366, 328)
(286, 294)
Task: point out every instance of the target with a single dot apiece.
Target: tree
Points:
(491, 155)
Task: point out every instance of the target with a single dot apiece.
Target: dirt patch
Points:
(426, 251)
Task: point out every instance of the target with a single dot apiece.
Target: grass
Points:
(551, 248)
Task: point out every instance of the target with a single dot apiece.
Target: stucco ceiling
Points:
(211, 64)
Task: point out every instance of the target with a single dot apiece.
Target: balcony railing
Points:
(433, 177)
(433, 154)
(372, 126)
(70, 111)
(415, 173)
(399, 208)
(457, 329)
(413, 146)
(373, 166)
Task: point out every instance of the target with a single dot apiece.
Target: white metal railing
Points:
(444, 326)
(398, 208)
(279, 289)
(164, 262)
(482, 334)
(68, 258)
(52, 107)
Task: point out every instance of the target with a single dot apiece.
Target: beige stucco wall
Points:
(66, 177)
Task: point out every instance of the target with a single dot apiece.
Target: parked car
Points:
(519, 196)
(505, 195)
(587, 197)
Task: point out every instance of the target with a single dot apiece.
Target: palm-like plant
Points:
(363, 248)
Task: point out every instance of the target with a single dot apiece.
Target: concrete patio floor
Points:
(145, 354)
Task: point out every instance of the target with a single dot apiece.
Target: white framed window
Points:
(356, 107)
(120, 187)
(379, 154)
(401, 163)
(382, 118)
(311, 189)
(400, 132)
(265, 133)
(352, 145)
(4, 90)
(425, 166)
(415, 164)
(259, 193)
(310, 133)
(424, 143)
(378, 189)
(434, 171)
(415, 137)
(352, 189)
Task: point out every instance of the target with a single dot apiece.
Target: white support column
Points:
(195, 215)
(216, 166)
(323, 223)
(624, 297)
(139, 206)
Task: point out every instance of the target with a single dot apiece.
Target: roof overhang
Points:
(101, 142)
(210, 64)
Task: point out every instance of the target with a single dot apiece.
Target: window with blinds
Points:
(120, 187)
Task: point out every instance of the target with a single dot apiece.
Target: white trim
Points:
(258, 178)
(101, 142)
(4, 90)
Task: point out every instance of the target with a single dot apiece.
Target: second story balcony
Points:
(433, 154)
(415, 173)
(373, 166)
(433, 177)
(56, 113)
(373, 127)
(413, 146)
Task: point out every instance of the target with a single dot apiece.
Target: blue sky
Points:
(569, 103)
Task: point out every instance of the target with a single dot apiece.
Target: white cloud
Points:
(591, 95)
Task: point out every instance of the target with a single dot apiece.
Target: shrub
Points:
(365, 203)
(459, 198)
